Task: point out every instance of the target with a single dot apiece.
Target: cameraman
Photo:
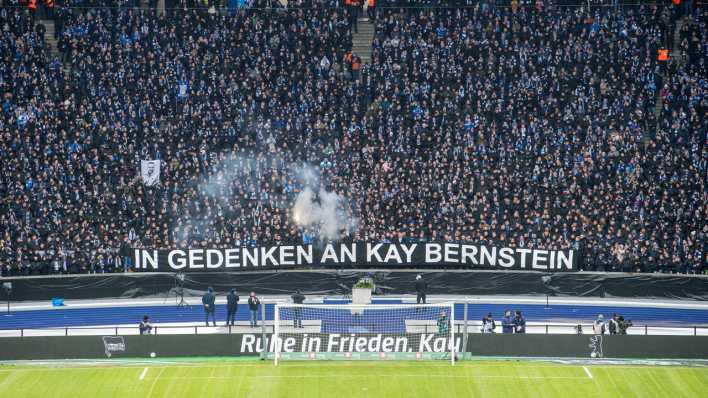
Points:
(488, 324)
(145, 325)
(623, 325)
(519, 323)
(254, 304)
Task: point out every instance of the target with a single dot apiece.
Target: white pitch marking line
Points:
(142, 375)
(324, 376)
(469, 376)
(587, 372)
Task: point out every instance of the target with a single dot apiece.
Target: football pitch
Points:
(226, 377)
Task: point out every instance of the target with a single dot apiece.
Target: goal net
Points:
(350, 332)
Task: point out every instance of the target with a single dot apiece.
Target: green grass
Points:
(238, 378)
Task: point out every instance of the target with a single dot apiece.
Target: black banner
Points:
(356, 255)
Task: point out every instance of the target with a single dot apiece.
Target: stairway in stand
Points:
(676, 52)
(677, 56)
(49, 37)
(361, 41)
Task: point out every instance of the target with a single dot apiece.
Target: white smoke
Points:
(325, 212)
(304, 208)
(306, 174)
(316, 210)
(231, 168)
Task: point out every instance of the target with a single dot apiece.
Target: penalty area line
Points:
(321, 376)
(587, 372)
(142, 375)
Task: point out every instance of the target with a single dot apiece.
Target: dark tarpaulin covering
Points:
(332, 282)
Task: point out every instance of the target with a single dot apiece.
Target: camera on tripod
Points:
(178, 288)
(7, 287)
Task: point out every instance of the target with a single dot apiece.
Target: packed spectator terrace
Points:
(520, 126)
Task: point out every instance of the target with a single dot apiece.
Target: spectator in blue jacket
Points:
(507, 322)
(209, 302)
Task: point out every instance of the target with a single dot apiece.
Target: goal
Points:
(374, 331)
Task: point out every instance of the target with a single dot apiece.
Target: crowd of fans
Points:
(526, 127)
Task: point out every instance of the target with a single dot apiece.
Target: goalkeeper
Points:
(443, 323)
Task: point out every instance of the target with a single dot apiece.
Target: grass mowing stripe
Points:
(587, 371)
(154, 381)
(372, 379)
(240, 382)
(7, 378)
(308, 364)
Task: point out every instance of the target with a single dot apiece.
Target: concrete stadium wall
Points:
(615, 346)
(568, 346)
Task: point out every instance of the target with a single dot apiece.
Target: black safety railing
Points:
(583, 328)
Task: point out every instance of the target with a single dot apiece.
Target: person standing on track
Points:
(298, 298)
(231, 307)
(208, 300)
(421, 288)
(253, 304)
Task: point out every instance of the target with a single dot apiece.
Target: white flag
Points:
(150, 171)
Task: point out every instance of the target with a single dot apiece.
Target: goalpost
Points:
(373, 331)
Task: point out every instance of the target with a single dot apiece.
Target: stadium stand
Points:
(524, 126)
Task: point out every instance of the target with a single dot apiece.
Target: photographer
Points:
(253, 305)
(623, 325)
(145, 325)
(488, 324)
(613, 325)
(519, 323)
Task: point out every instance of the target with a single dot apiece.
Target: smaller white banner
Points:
(150, 172)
